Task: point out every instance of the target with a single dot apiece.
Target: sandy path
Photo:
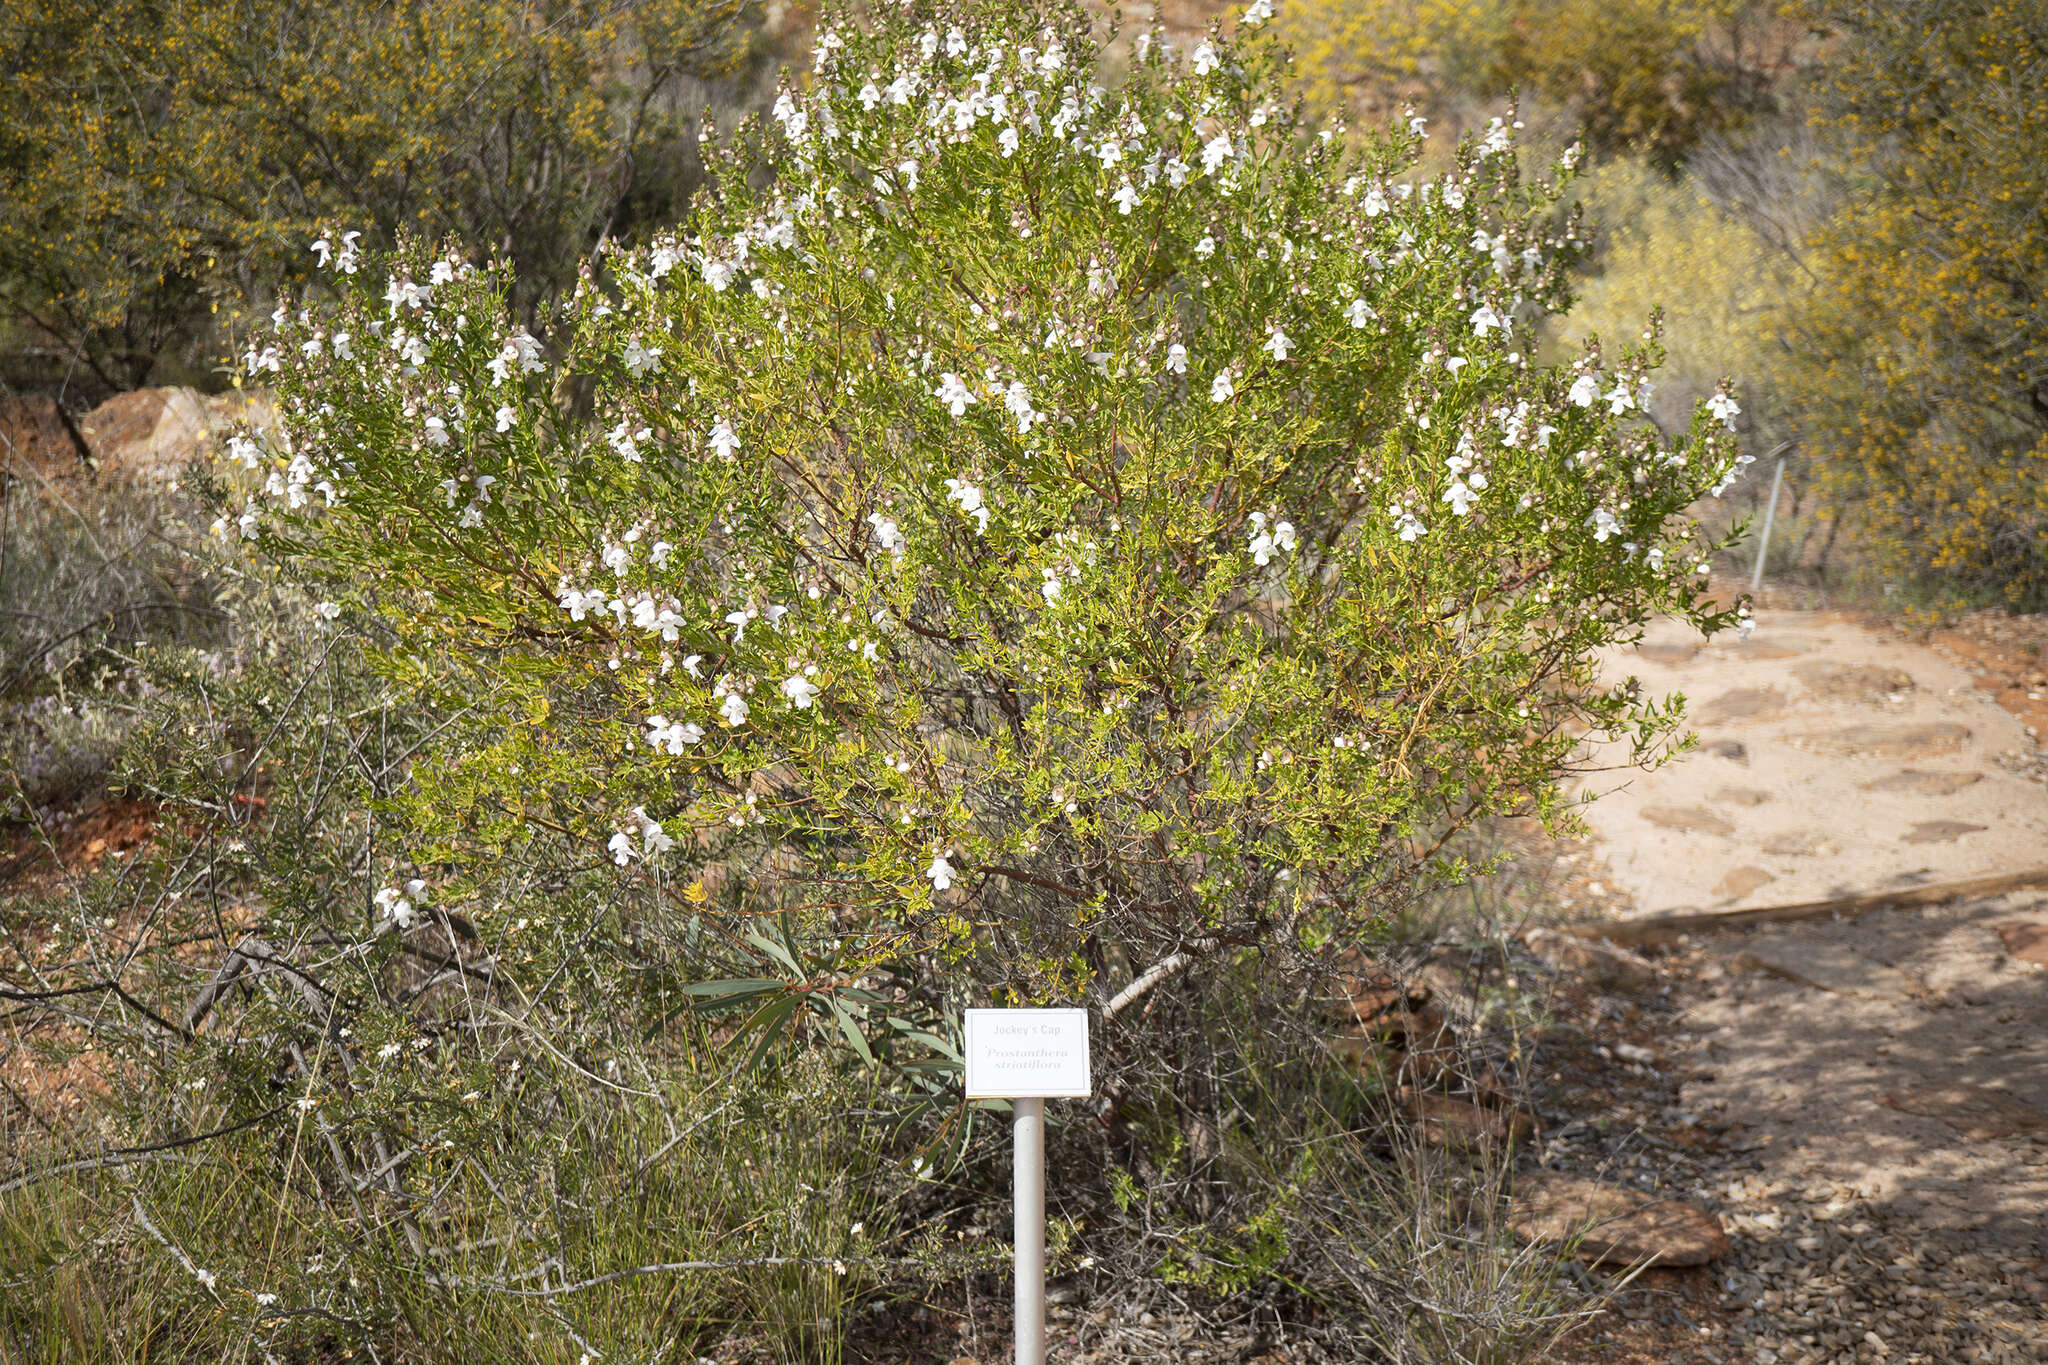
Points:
(1885, 1078)
(1832, 761)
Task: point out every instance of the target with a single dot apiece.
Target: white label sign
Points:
(1027, 1054)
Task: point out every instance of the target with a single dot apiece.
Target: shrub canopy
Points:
(1042, 528)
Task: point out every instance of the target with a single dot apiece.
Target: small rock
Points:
(1854, 682)
(1918, 782)
(1741, 882)
(1620, 1226)
(1832, 967)
(1732, 750)
(1687, 820)
(2025, 941)
(1978, 1112)
(1447, 1122)
(1928, 740)
(1940, 831)
(1598, 961)
(1744, 703)
(1800, 844)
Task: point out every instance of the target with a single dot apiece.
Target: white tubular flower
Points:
(734, 709)
(1215, 152)
(971, 501)
(1278, 344)
(327, 611)
(1176, 359)
(508, 418)
(1222, 387)
(1359, 313)
(800, 690)
(620, 846)
(1205, 59)
(1484, 318)
(1008, 140)
(1125, 199)
(1460, 496)
(723, 440)
(1604, 524)
(324, 249)
(1619, 398)
(940, 873)
(437, 431)
(640, 359)
(1256, 13)
(954, 393)
(1584, 390)
(888, 535)
(1017, 399)
(1723, 408)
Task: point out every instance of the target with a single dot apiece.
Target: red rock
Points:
(1620, 1226)
(2026, 941)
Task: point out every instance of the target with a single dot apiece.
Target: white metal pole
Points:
(1756, 579)
(1030, 1231)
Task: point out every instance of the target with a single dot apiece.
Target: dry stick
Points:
(1663, 928)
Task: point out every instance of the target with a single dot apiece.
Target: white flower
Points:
(954, 393)
(1007, 140)
(327, 611)
(1359, 313)
(734, 709)
(1460, 495)
(640, 359)
(1222, 387)
(339, 344)
(323, 249)
(437, 432)
(908, 171)
(1206, 247)
(1278, 343)
(206, 1278)
(970, 499)
(626, 444)
(1017, 399)
(1283, 535)
(654, 841)
(723, 440)
(1584, 390)
(1604, 524)
(1177, 359)
(1484, 317)
(1256, 13)
(1125, 199)
(1407, 523)
(672, 736)
(1206, 60)
(442, 273)
(507, 418)
(1619, 399)
(1215, 152)
(621, 848)
(888, 534)
(800, 690)
(405, 294)
(396, 907)
(941, 873)
(1176, 172)
(1723, 408)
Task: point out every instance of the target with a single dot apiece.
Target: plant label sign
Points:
(1027, 1054)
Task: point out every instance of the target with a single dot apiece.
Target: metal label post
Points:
(1028, 1057)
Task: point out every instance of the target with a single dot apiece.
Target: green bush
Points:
(1060, 530)
(159, 164)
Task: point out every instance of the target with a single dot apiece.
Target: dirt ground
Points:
(1871, 1093)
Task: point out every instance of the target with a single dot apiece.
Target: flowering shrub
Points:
(1059, 528)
